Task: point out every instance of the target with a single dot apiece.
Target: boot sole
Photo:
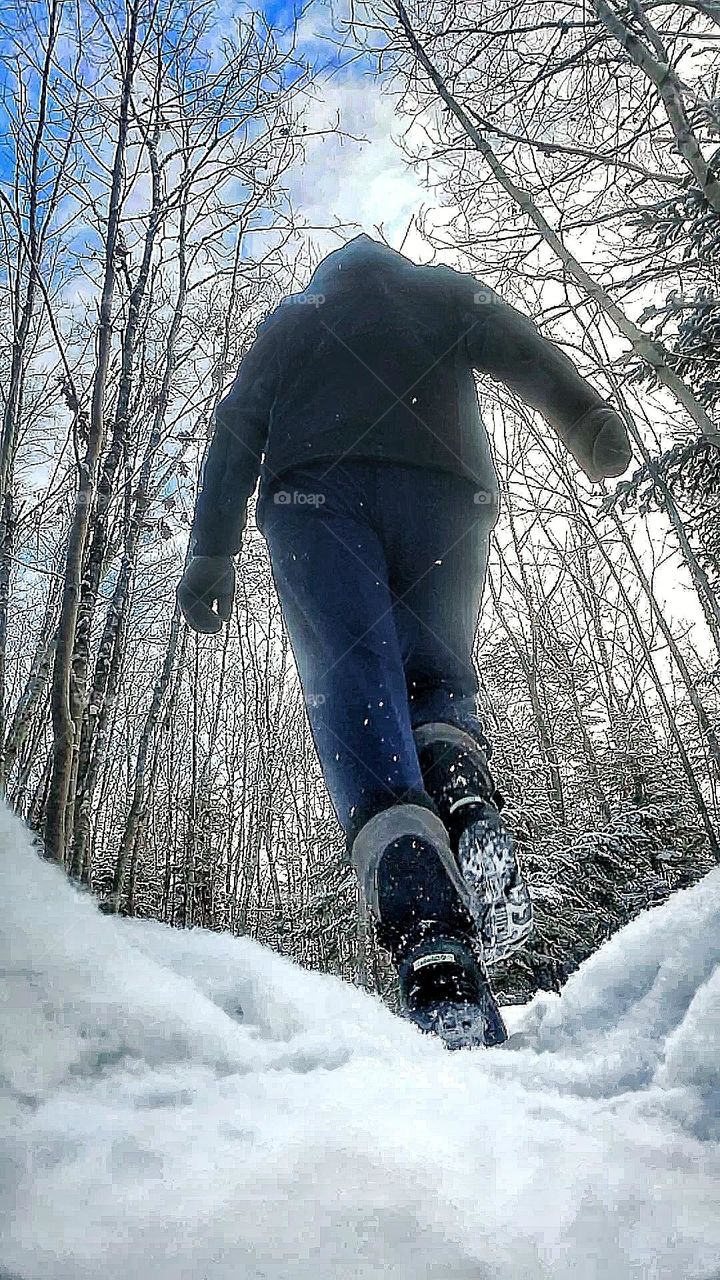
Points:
(463, 1025)
(500, 902)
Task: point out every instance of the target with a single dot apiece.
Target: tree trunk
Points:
(147, 737)
(67, 698)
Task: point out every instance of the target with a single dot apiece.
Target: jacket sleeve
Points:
(232, 466)
(505, 344)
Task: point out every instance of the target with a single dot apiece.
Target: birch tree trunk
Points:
(67, 695)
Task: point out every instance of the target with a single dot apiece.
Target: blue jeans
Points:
(380, 570)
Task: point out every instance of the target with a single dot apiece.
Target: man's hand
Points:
(600, 443)
(207, 581)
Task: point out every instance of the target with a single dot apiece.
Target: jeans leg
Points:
(437, 541)
(330, 571)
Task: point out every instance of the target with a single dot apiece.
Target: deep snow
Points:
(149, 1133)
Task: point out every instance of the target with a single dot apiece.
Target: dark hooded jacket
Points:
(375, 360)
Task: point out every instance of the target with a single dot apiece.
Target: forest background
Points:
(169, 169)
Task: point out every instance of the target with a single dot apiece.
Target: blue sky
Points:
(344, 84)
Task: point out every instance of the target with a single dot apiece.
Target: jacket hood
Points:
(361, 254)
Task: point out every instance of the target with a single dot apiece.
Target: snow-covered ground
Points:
(151, 1131)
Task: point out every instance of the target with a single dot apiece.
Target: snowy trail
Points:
(146, 1131)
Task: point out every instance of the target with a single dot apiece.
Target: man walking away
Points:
(357, 406)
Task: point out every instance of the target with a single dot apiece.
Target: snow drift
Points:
(190, 1106)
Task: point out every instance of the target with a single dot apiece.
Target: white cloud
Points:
(362, 179)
